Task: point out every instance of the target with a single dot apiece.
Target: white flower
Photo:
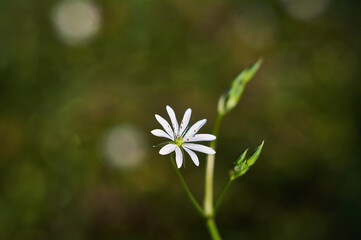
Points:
(182, 137)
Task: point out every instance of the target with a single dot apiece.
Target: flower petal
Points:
(200, 138)
(160, 133)
(193, 156)
(195, 128)
(167, 149)
(185, 121)
(199, 148)
(165, 125)
(178, 156)
(173, 119)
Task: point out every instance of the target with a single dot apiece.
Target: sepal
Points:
(242, 163)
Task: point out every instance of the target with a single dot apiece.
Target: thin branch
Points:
(221, 195)
(185, 186)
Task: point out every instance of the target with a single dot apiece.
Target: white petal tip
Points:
(211, 137)
(169, 109)
(167, 149)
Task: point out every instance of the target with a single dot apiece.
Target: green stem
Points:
(185, 186)
(221, 195)
(212, 228)
(208, 191)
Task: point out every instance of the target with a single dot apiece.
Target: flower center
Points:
(178, 141)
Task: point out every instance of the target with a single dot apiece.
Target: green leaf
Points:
(229, 100)
(242, 163)
(241, 157)
(252, 159)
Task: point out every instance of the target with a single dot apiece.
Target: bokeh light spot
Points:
(124, 146)
(305, 9)
(76, 22)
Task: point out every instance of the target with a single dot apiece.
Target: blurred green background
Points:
(80, 82)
